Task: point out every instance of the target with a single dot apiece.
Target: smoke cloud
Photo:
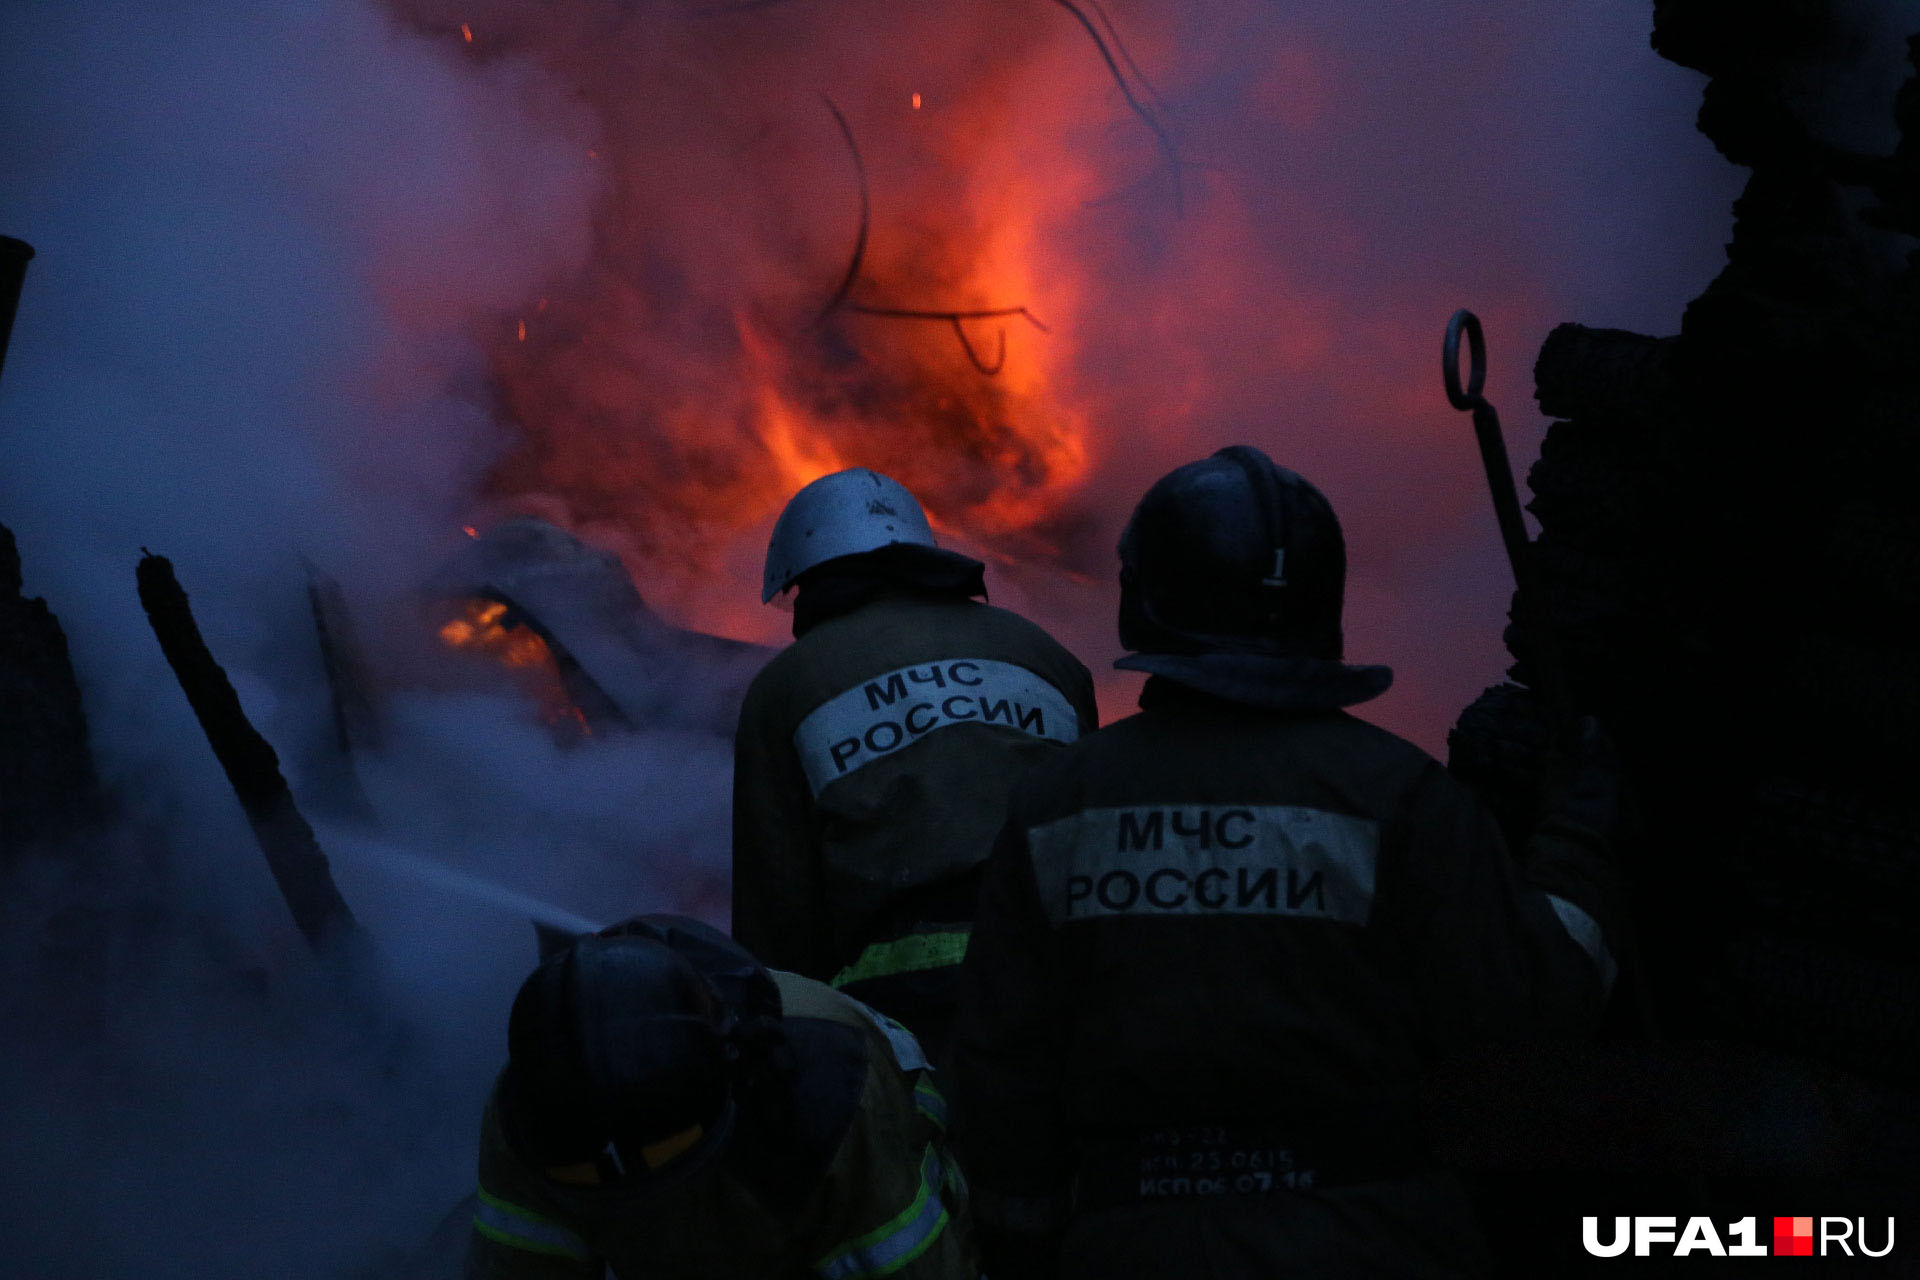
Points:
(266, 236)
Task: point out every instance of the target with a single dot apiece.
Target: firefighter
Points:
(875, 754)
(672, 1109)
(1220, 941)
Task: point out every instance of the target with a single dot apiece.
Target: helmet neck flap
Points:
(843, 585)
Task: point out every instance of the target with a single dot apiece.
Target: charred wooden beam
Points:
(293, 854)
(355, 720)
(14, 255)
(47, 783)
(356, 724)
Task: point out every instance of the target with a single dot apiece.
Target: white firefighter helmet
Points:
(841, 515)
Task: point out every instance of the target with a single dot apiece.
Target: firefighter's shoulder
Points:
(802, 997)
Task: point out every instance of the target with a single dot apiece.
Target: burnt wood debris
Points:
(47, 784)
(14, 256)
(356, 719)
(292, 853)
(47, 787)
(1729, 554)
(1729, 559)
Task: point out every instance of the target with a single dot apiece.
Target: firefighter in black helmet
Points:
(875, 755)
(672, 1109)
(1220, 940)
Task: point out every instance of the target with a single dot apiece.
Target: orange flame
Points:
(717, 351)
(674, 421)
(466, 33)
(482, 628)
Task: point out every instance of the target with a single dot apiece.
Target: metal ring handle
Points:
(1464, 319)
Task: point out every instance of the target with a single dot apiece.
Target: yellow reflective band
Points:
(891, 1246)
(574, 1175)
(507, 1223)
(911, 954)
(663, 1151)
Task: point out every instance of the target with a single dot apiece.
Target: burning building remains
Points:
(533, 596)
(497, 334)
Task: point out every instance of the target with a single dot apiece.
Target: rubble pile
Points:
(1729, 551)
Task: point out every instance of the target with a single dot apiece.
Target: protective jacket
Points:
(841, 1173)
(871, 772)
(1218, 944)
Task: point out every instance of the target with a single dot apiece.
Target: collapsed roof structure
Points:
(619, 664)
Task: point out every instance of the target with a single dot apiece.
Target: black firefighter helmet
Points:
(1232, 577)
(622, 1051)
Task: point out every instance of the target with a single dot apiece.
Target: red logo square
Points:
(1793, 1237)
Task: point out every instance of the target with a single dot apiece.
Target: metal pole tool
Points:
(1542, 656)
(1545, 664)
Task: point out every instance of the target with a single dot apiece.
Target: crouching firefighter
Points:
(671, 1109)
(875, 754)
(1220, 942)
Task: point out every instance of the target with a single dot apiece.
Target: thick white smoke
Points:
(265, 234)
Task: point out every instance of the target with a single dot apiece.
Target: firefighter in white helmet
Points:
(875, 755)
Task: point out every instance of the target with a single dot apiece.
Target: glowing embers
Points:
(496, 632)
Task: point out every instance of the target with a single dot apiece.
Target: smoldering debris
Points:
(298, 865)
(180, 1062)
(620, 664)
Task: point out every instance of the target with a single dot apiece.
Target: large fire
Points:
(793, 275)
(1023, 255)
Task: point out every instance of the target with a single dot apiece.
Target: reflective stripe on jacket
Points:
(872, 768)
(887, 1200)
